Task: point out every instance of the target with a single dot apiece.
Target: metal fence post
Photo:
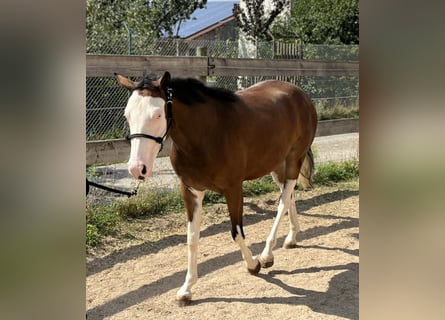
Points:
(127, 28)
(202, 52)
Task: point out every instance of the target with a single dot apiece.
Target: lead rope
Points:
(126, 193)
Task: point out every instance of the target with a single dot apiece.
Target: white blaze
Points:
(145, 114)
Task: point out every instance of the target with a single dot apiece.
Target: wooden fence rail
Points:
(137, 66)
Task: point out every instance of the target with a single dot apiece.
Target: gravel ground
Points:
(137, 277)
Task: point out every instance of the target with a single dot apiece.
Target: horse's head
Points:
(145, 113)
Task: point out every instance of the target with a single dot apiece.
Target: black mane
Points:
(190, 90)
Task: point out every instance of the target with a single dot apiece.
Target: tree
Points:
(321, 22)
(254, 21)
(173, 12)
(107, 20)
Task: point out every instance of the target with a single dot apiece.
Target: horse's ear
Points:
(165, 80)
(124, 82)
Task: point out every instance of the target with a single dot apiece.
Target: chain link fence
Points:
(106, 100)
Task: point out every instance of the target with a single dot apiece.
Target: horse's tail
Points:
(304, 179)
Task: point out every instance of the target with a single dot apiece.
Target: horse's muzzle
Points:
(139, 170)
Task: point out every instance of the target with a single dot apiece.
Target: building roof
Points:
(214, 13)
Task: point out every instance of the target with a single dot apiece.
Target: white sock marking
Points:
(246, 253)
(193, 231)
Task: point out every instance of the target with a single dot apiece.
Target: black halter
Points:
(169, 115)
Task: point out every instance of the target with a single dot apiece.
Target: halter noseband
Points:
(169, 115)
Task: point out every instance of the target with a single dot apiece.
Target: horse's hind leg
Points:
(291, 238)
(266, 257)
(193, 204)
(290, 241)
(289, 174)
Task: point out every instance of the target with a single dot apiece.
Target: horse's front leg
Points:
(193, 205)
(234, 199)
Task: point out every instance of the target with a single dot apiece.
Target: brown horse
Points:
(219, 139)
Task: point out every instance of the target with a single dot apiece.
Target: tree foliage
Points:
(107, 19)
(254, 21)
(321, 22)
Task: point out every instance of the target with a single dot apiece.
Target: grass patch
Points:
(331, 172)
(149, 202)
(103, 220)
(211, 197)
(337, 111)
(251, 188)
(259, 186)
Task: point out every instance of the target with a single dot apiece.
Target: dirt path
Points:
(138, 278)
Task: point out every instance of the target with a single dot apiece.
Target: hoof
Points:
(289, 245)
(256, 270)
(183, 301)
(266, 264)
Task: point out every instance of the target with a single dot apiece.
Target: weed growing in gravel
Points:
(102, 220)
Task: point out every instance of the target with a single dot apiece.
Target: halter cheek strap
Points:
(169, 115)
